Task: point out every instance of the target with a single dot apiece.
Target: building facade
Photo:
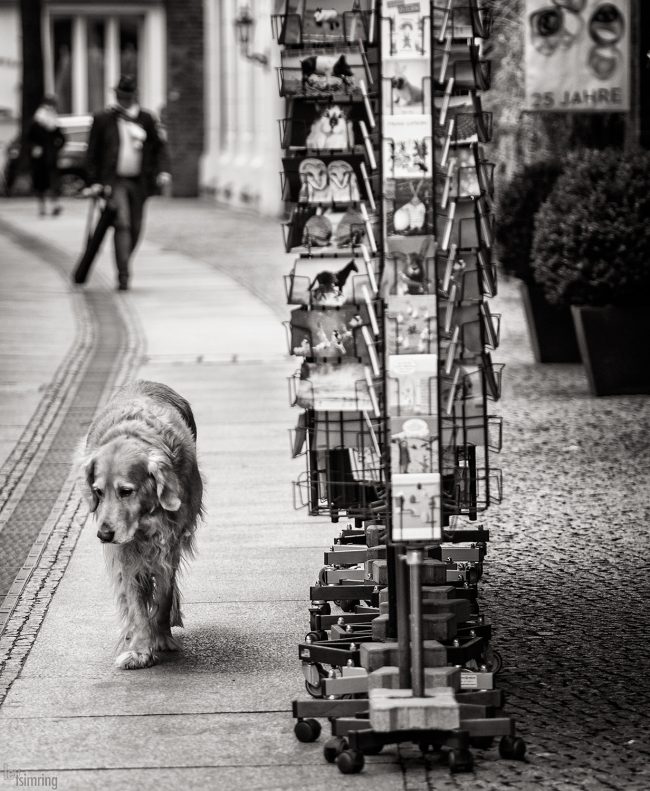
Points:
(241, 163)
(87, 44)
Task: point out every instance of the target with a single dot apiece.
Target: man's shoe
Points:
(123, 287)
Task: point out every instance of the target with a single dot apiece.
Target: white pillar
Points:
(211, 93)
(153, 59)
(112, 56)
(79, 65)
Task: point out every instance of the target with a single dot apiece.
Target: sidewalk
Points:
(565, 585)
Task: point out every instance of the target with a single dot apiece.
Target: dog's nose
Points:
(105, 534)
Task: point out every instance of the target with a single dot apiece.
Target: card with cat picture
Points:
(407, 144)
(406, 86)
(323, 126)
(336, 21)
(324, 72)
(409, 206)
(329, 282)
(416, 507)
(411, 325)
(414, 445)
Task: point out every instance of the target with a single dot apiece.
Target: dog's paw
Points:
(166, 642)
(135, 660)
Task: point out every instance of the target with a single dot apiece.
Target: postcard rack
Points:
(389, 197)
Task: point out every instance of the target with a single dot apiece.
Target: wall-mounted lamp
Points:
(244, 24)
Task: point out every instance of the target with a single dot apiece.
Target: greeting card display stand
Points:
(389, 204)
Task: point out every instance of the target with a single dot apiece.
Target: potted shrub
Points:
(551, 329)
(591, 250)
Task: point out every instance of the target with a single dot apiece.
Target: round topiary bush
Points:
(592, 235)
(517, 206)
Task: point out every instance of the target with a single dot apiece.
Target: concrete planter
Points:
(614, 347)
(551, 329)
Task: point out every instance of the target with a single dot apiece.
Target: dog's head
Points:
(123, 482)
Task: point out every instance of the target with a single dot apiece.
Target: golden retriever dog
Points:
(141, 480)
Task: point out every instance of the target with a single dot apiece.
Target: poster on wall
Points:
(577, 55)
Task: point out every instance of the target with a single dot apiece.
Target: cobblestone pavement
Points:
(566, 577)
(566, 581)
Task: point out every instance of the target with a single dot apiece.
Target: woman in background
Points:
(45, 140)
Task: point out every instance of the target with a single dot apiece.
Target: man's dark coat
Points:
(104, 143)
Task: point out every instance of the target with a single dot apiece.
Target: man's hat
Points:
(126, 84)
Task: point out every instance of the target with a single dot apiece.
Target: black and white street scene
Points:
(325, 395)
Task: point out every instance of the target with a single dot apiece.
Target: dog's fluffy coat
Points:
(141, 479)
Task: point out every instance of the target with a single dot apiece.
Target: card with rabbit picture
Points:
(406, 86)
(329, 22)
(408, 141)
(409, 207)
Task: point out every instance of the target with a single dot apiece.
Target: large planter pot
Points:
(551, 328)
(614, 348)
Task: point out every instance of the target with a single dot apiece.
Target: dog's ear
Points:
(167, 485)
(87, 479)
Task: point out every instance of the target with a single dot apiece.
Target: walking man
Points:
(127, 161)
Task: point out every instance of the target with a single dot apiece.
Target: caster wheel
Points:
(333, 748)
(307, 730)
(349, 605)
(315, 690)
(350, 762)
(493, 661)
(512, 747)
(482, 742)
(315, 636)
(459, 761)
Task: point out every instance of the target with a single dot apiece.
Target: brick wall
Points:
(184, 112)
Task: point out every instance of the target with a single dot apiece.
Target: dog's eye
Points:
(124, 492)
(98, 492)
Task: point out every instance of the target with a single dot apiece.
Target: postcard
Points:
(321, 71)
(409, 206)
(417, 507)
(411, 325)
(323, 126)
(414, 445)
(313, 22)
(412, 386)
(341, 387)
(407, 146)
(328, 282)
(329, 333)
(406, 86)
(402, 26)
